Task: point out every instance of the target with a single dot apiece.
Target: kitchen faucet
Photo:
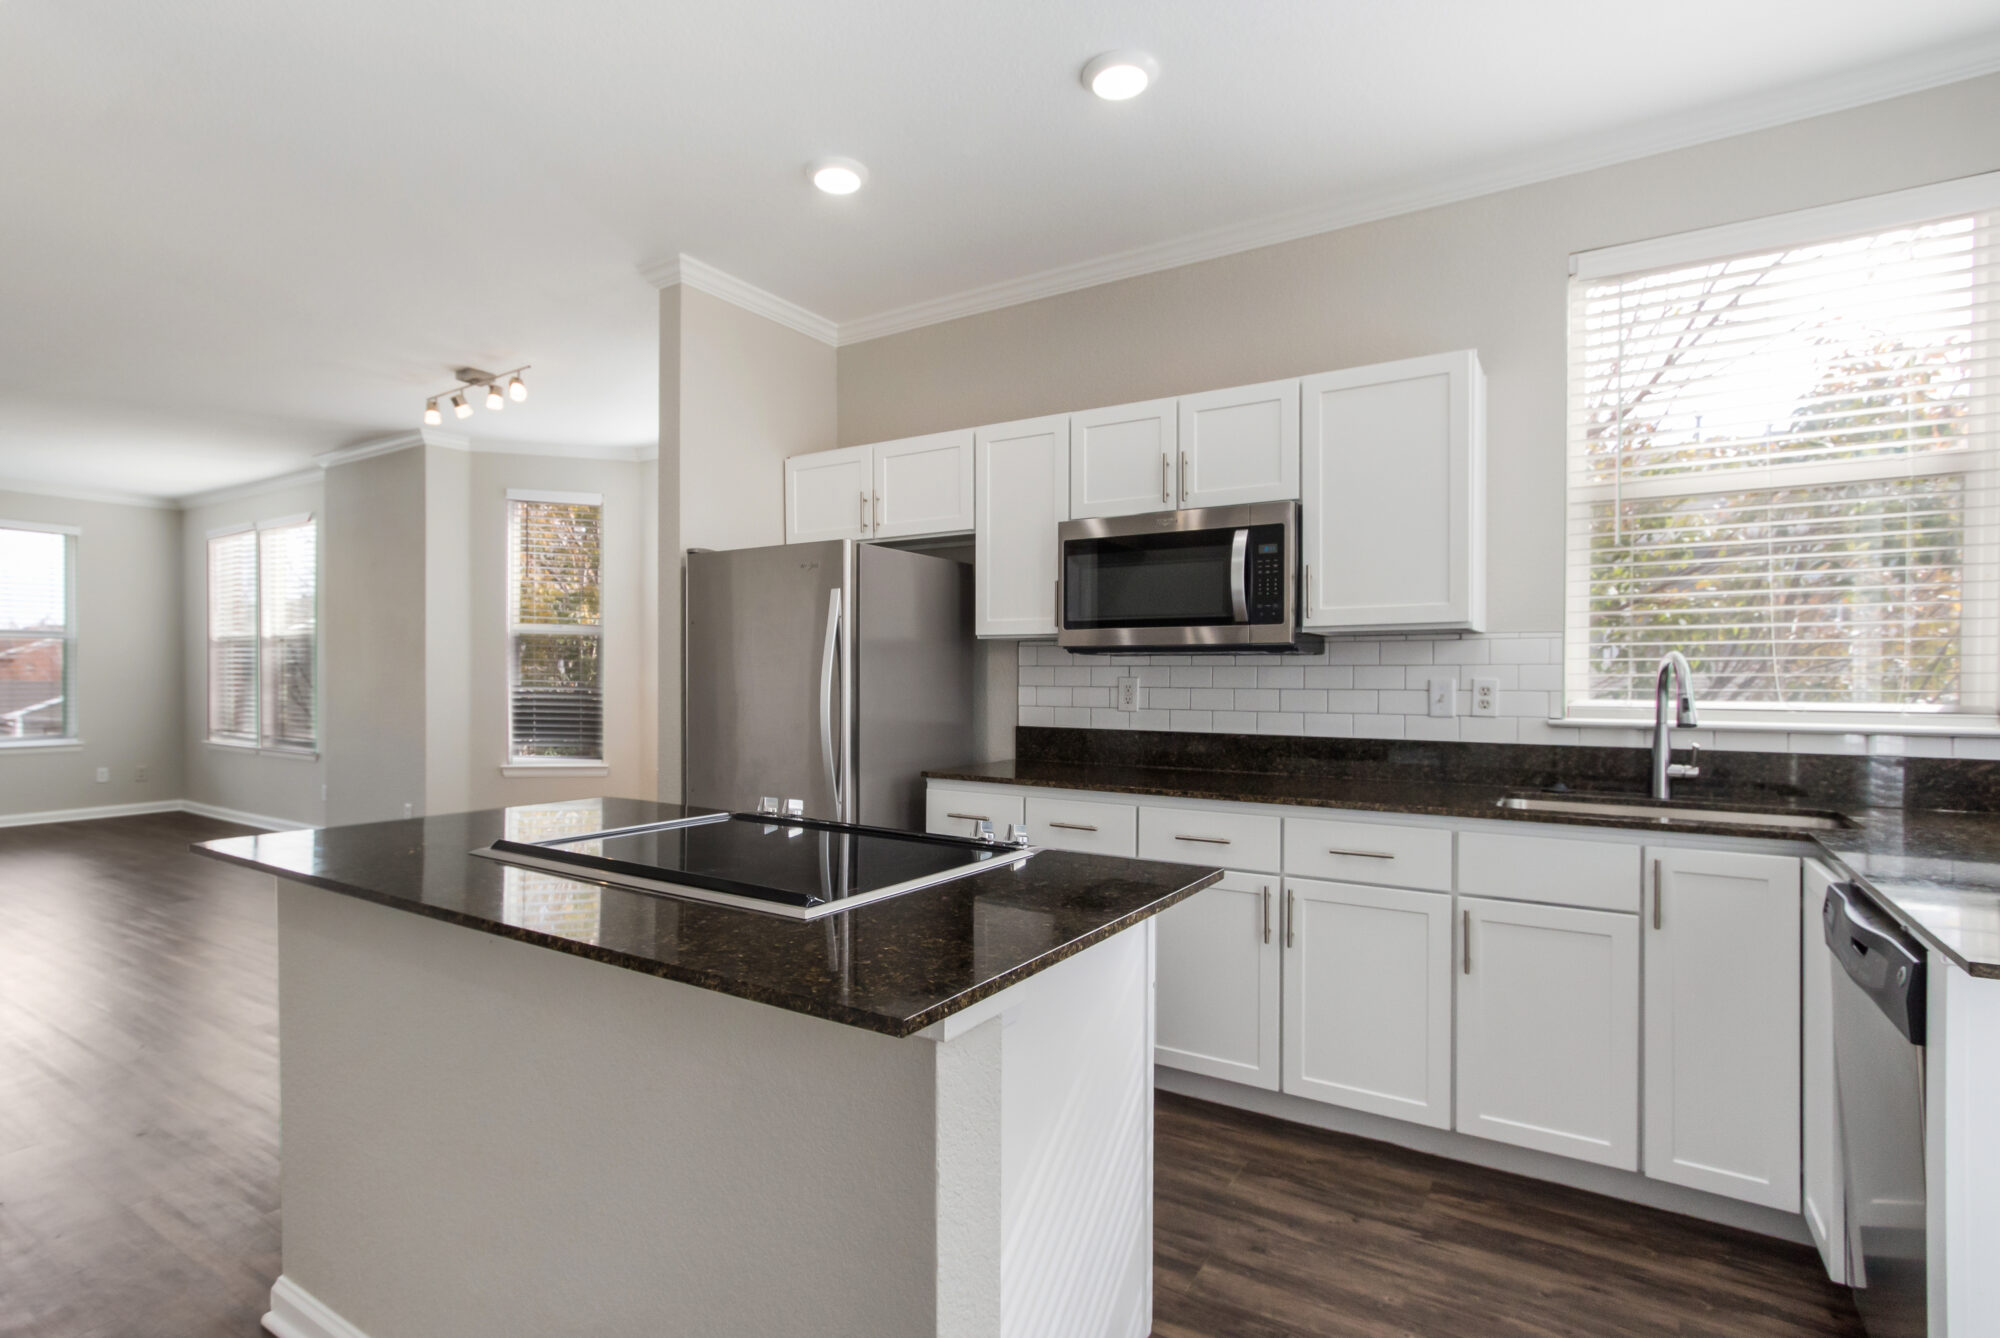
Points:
(1677, 680)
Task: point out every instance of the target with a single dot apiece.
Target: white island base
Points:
(485, 1138)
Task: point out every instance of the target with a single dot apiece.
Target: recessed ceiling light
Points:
(838, 176)
(1118, 75)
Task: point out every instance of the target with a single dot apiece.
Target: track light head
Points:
(459, 408)
(517, 389)
(431, 415)
(494, 399)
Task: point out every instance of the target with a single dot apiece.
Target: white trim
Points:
(241, 818)
(557, 498)
(516, 770)
(89, 814)
(40, 745)
(103, 495)
(236, 492)
(240, 527)
(286, 522)
(706, 278)
(1777, 723)
(1801, 227)
(559, 451)
(368, 450)
(297, 1313)
(39, 527)
(263, 750)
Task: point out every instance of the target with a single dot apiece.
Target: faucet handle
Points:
(983, 830)
(1689, 769)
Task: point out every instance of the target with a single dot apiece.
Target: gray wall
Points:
(128, 662)
(1488, 273)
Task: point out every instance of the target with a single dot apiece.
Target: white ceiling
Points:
(237, 233)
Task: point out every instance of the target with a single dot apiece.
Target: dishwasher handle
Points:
(1878, 956)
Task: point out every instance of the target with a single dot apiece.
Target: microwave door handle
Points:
(1239, 555)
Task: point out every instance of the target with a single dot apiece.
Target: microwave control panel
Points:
(1266, 574)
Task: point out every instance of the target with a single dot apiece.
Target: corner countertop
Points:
(893, 966)
(1939, 872)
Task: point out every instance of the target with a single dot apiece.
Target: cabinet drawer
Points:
(1596, 875)
(1369, 852)
(957, 812)
(1073, 824)
(1193, 836)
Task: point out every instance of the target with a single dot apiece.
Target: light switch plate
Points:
(103, 775)
(1444, 696)
(1486, 696)
(1128, 694)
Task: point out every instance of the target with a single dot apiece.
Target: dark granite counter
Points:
(1938, 871)
(893, 966)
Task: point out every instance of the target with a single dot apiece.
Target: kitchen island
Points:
(521, 1103)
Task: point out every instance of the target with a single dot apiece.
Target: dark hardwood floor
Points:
(139, 1157)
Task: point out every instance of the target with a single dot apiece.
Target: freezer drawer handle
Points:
(1361, 854)
(1206, 840)
(1074, 826)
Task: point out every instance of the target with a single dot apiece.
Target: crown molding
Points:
(696, 274)
(1763, 111)
(236, 492)
(402, 441)
(103, 495)
(557, 451)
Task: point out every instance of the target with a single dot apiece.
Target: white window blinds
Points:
(556, 697)
(37, 634)
(1782, 464)
(263, 631)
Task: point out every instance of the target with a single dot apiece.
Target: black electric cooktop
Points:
(801, 867)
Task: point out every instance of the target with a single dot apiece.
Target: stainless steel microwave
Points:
(1223, 578)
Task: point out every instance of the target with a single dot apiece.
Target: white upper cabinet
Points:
(1367, 1016)
(1239, 445)
(1124, 460)
(923, 485)
(829, 495)
(1395, 495)
(1217, 972)
(1021, 493)
(1722, 1023)
(1548, 1029)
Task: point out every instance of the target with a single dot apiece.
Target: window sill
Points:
(516, 770)
(40, 745)
(1976, 727)
(295, 754)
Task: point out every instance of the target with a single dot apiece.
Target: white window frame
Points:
(1979, 648)
(515, 765)
(72, 735)
(256, 744)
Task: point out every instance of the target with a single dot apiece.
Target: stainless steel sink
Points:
(1643, 811)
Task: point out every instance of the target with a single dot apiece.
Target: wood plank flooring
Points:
(139, 1157)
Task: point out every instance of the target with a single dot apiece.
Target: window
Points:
(1781, 462)
(555, 689)
(37, 633)
(263, 635)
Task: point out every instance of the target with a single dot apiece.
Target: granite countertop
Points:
(1938, 871)
(893, 966)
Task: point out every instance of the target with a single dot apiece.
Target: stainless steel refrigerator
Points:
(831, 672)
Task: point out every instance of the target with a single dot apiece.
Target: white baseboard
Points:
(88, 814)
(297, 1313)
(258, 820)
(1612, 1183)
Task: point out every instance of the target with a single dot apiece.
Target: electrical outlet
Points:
(1444, 696)
(139, 774)
(103, 775)
(1486, 696)
(1128, 694)
(409, 810)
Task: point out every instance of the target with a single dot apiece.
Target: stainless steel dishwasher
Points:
(1878, 1062)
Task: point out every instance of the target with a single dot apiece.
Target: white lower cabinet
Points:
(1548, 1029)
(1722, 1023)
(1823, 1186)
(1078, 824)
(1217, 973)
(959, 812)
(1367, 1017)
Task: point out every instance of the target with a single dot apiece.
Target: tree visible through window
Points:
(1781, 464)
(556, 707)
(37, 634)
(263, 636)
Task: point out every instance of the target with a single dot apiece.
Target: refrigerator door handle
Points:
(826, 665)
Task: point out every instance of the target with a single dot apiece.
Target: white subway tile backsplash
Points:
(1235, 722)
(1428, 727)
(1383, 675)
(1105, 717)
(1407, 652)
(1280, 722)
(1525, 650)
(1277, 676)
(1037, 676)
(1148, 676)
(1149, 719)
(1026, 696)
(1489, 729)
(1054, 696)
(1167, 699)
(1193, 722)
(1256, 699)
(1073, 676)
(1331, 676)
(1302, 699)
(1330, 726)
(1402, 701)
(1042, 717)
(1541, 677)
(1212, 699)
(1235, 676)
(1198, 676)
(1525, 703)
(1379, 726)
(1106, 675)
(1352, 702)
(1092, 697)
(1354, 652)
(1477, 651)
(1073, 717)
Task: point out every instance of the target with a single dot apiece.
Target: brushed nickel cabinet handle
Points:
(1206, 840)
(1267, 913)
(878, 508)
(864, 513)
(1656, 894)
(1465, 940)
(1291, 915)
(1074, 826)
(1361, 854)
(1184, 476)
(1165, 464)
(970, 817)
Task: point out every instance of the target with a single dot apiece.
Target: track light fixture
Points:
(477, 381)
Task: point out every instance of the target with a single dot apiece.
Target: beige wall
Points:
(738, 394)
(128, 662)
(284, 786)
(451, 662)
(1488, 273)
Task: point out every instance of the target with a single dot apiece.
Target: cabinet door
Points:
(1021, 494)
(1548, 1029)
(1823, 1185)
(1079, 824)
(1367, 1018)
(1395, 495)
(1240, 445)
(923, 485)
(827, 496)
(1123, 460)
(1217, 973)
(1722, 1023)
